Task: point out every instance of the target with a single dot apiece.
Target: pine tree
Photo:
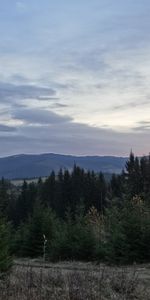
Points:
(5, 259)
(4, 197)
(133, 176)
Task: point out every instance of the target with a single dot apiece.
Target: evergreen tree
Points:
(133, 176)
(49, 190)
(25, 202)
(29, 239)
(5, 258)
(4, 197)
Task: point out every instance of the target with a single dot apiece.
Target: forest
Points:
(78, 215)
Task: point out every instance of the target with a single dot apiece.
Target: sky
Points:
(75, 77)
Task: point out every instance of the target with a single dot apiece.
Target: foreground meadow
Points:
(75, 281)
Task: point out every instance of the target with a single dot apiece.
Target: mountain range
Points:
(33, 166)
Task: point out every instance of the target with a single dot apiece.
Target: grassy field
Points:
(75, 281)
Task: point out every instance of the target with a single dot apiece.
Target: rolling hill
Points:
(31, 166)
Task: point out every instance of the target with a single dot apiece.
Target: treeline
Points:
(81, 215)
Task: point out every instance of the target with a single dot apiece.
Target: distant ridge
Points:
(31, 166)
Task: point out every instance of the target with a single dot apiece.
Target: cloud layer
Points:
(74, 77)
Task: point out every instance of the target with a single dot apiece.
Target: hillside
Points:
(30, 166)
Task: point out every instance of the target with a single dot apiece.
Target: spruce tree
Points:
(5, 259)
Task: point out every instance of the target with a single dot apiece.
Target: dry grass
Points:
(100, 283)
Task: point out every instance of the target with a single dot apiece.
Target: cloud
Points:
(142, 126)
(60, 105)
(39, 116)
(86, 60)
(46, 98)
(4, 128)
(72, 138)
(144, 122)
(10, 92)
(129, 105)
